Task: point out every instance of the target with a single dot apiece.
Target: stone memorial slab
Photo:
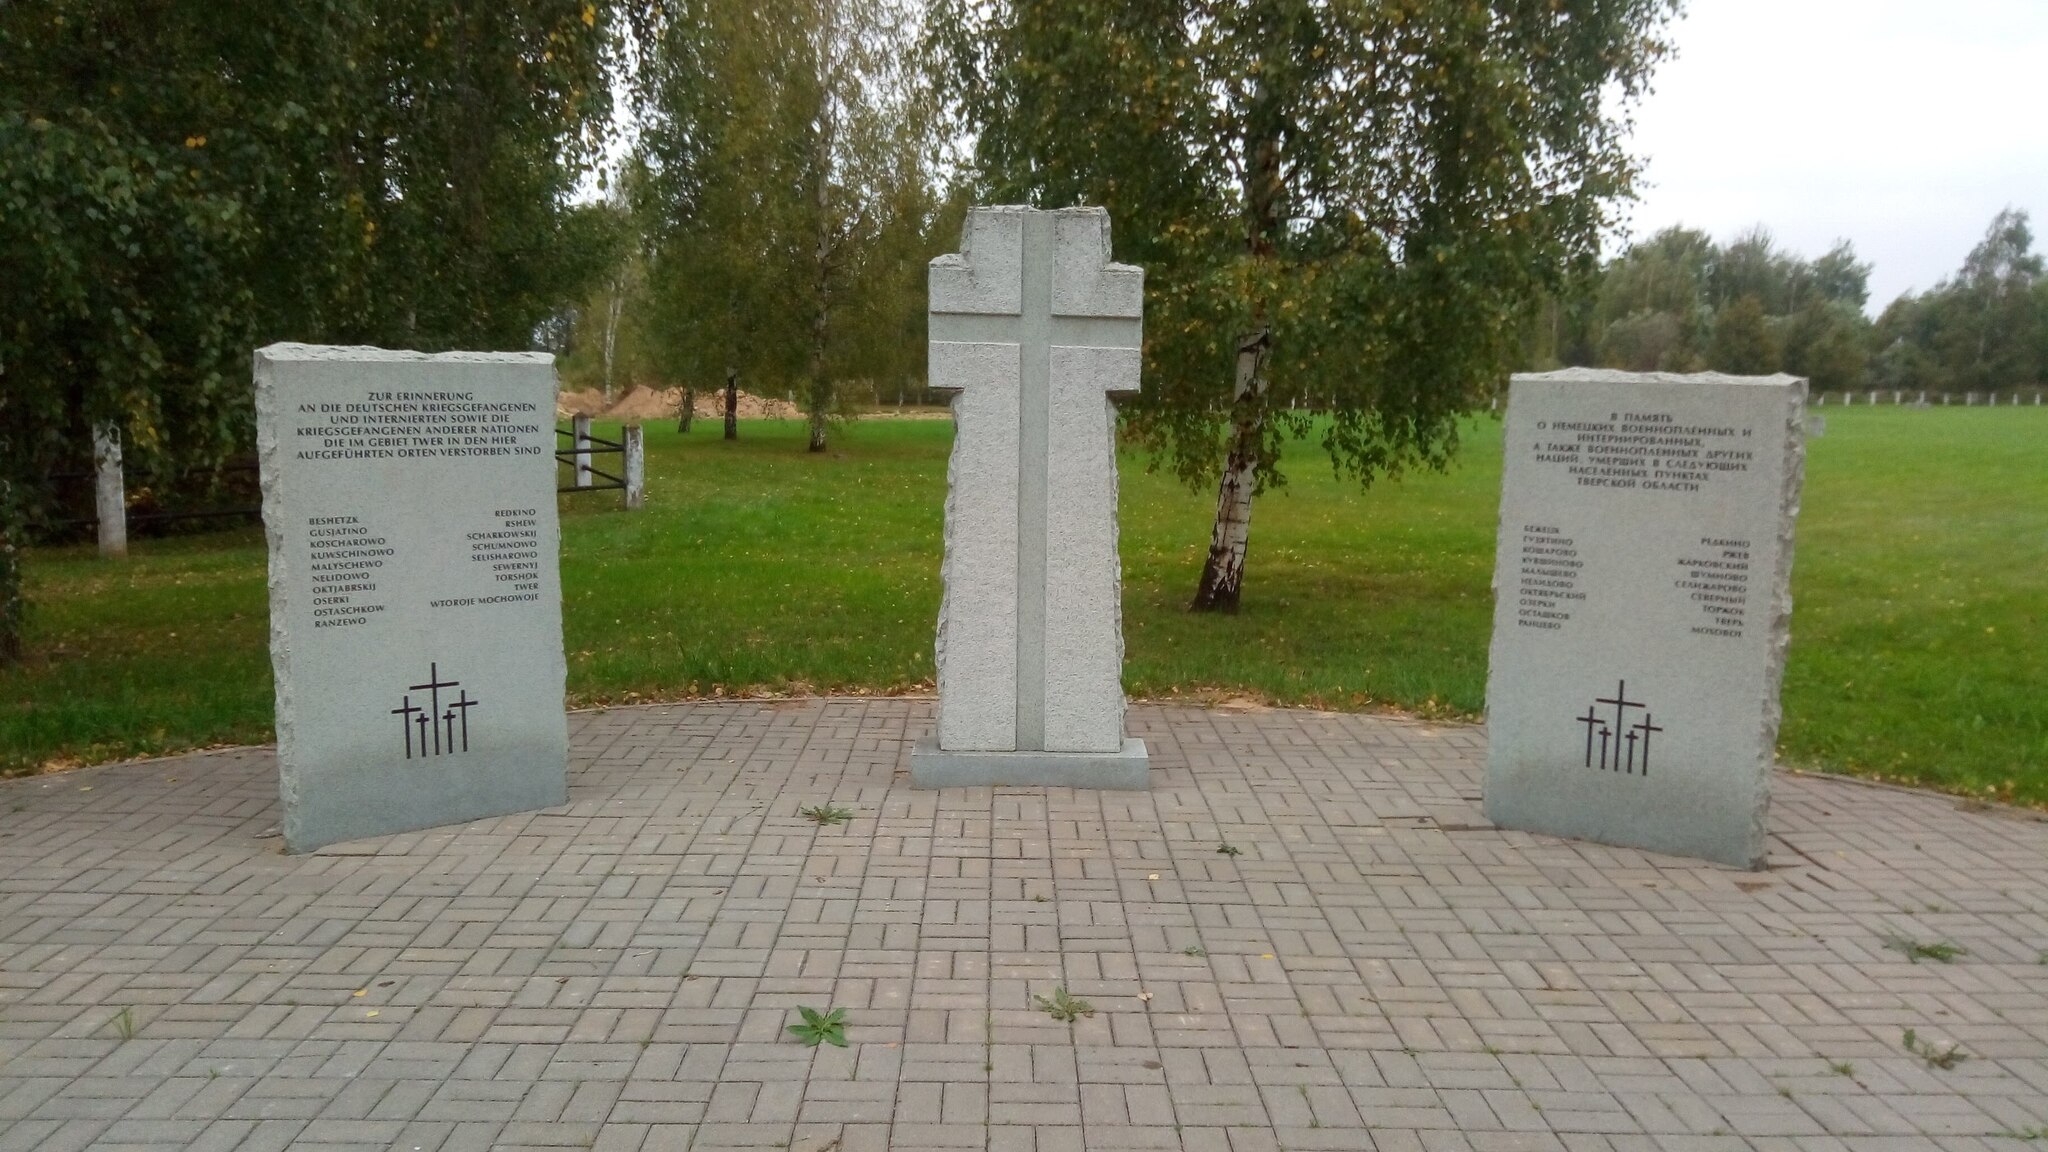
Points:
(415, 592)
(1642, 607)
(1034, 330)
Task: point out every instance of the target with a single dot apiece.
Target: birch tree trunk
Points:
(11, 609)
(732, 403)
(613, 308)
(820, 399)
(819, 387)
(1223, 572)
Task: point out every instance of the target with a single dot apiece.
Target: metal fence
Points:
(584, 475)
(2010, 398)
(148, 514)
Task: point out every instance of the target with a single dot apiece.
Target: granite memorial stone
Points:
(1034, 330)
(1642, 608)
(415, 594)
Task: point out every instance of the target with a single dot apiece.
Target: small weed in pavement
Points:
(821, 1027)
(1064, 1006)
(1940, 950)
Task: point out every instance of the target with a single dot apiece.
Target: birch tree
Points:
(871, 182)
(718, 184)
(1346, 207)
(785, 158)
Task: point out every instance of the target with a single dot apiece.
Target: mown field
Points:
(1920, 645)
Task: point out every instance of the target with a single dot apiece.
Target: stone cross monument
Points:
(1033, 329)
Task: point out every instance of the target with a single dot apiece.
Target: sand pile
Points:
(645, 404)
(750, 407)
(649, 404)
(907, 412)
(589, 402)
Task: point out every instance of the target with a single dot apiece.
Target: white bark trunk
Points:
(1223, 572)
(613, 308)
(636, 466)
(110, 496)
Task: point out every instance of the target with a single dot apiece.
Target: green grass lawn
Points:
(1920, 649)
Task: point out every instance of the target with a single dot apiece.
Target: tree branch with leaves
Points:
(1346, 211)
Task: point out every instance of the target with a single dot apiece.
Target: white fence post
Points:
(581, 424)
(636, 467)
(109, 493)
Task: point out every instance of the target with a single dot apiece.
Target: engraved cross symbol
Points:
(1621, 704)
(461, 707)
(1592, 722)
(1645, 727)
(405, 713)
(433, 686)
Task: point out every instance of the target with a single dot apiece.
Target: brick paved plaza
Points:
(1377, 968)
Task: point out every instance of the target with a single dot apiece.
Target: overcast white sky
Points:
(1901, 126)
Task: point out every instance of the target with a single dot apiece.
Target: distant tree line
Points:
(1679, 302)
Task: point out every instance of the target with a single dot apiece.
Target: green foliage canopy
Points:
(183, 180)
(784, 180)
(1384, 186)
(1984, 329)
(1679, 302)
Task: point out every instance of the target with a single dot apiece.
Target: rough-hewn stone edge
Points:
(364, 352)
(946, 574)
(270, 465)
(1792, 484)
(1622, 376)
(1116, 568)
(1128, 770)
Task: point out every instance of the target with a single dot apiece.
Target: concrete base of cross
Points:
(1128, 770)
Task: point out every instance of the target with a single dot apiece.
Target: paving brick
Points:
(1378, 968)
